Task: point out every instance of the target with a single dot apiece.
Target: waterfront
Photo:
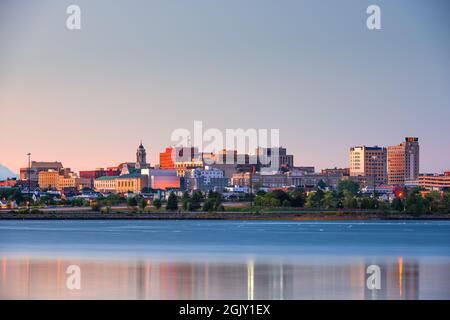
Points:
(225, 259)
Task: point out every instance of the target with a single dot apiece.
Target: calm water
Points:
(225, 259)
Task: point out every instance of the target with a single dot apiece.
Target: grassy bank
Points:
(228, 215)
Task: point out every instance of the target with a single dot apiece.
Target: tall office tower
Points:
(403, 161)
(277, 154)
(369, 162)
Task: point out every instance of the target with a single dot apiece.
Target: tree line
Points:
(347, 195)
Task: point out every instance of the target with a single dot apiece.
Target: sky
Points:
(137, 70)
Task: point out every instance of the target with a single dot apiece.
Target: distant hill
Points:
(6, 173)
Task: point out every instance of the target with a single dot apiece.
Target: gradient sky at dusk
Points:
(140, 69)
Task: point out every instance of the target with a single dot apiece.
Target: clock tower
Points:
(141, 157)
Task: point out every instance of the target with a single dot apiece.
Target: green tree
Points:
(142, 204)
(115, 199)
(96, 206)
(365, 203)
(286, 203)
(132, 202)
(382, 206)
(172, 202)
(348, 185)
(218, 200)
(272, 202)
(397, 204)
(261, 193)
(314, 199)
(13, 194)
(329, 200)
(77, 202)
(259, 200)
(445, 202)
(185, 200)
(322, 185)
(414, 202)
(196, 200)
(349, 199)
(157, 203)
(208, 205)
(433, 201)
(280, 195)
(298, 197)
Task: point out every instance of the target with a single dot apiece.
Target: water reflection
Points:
(401, 278)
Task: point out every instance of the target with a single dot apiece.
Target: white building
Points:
(205, 179)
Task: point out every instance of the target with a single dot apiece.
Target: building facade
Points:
(163, 179)
(48, 179)
(205, 179)
(172, 155)
(335, 170)
(106, 184)
(310, 181)
(182, 167)
(167, 159)
(276, 157)
(241, 179)
(369, 162)
(132, 182)
(403, 161)
(72, 181)
(8, 183)
(437, 182)
(92, 174)
(37, 166)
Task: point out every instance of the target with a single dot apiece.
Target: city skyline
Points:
(312, 70)
(245, 151)
(157, 161)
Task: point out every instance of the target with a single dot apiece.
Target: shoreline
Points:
(268, 216)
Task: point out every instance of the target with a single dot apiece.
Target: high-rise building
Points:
(231, 157)
(275, 157)
(369, 162)
(173, 155)
(166, 159)
(403, 161)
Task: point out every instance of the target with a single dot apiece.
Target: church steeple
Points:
(141, 157)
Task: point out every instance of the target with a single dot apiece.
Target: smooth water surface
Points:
(206, 259)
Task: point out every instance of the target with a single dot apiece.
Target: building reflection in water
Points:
(401, 278)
